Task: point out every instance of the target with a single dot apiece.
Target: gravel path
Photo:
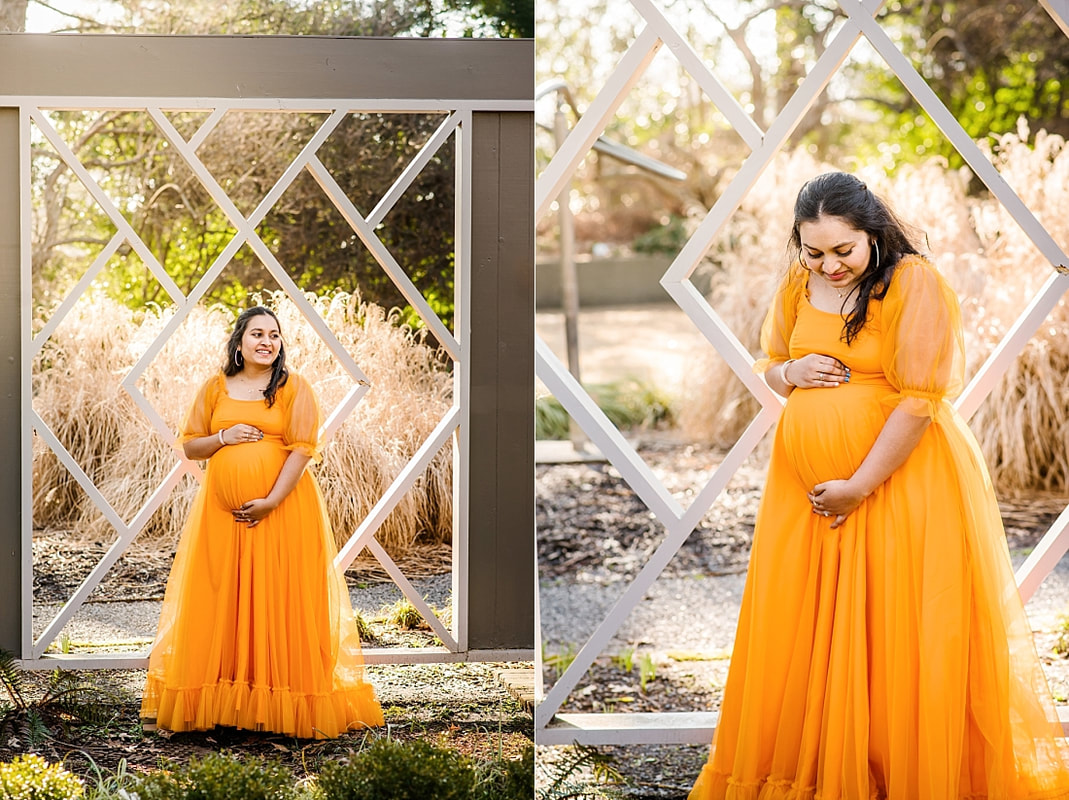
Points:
(133, 623)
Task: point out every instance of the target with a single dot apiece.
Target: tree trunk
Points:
(13, 15)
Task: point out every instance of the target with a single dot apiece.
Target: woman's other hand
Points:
(816, 371)
(253, 511)
(836, 498)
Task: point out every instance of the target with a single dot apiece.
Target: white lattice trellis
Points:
(457, 117)
(552, 727)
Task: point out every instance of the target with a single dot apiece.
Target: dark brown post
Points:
(11, 554)
(501, 438)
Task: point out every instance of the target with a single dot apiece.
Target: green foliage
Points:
(509, 18)
(390, 770)
(405, 615)
(565, 779)
(991, 64)
(219, 775)
(625, 660)
(506, 779)
(67, 700)
(30, 777)
(668, 238)
(647, 671)
(628, 403)
(559, 662)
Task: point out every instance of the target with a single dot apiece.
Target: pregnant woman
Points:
(257, 630)
(882, 648)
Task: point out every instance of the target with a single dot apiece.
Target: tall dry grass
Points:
(76, 392)
(1023, 426)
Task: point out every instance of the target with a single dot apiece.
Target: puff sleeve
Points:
(778, 325)
(198, 421)
(301, 432)
(923, 349)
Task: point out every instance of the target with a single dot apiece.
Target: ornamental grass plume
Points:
(76, 392)
(1023, 425)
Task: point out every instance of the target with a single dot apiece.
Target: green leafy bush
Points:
(219, 776)
(30, 777)
(628, 403)
(390, 770)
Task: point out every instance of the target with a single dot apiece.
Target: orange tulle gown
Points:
(257, 630)
(890, 657)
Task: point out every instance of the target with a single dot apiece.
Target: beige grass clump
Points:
(76, 391)
(1023, 426)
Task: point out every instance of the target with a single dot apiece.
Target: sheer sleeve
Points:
(198, 420)
(301, 433)
(776, 331)
(923, 349)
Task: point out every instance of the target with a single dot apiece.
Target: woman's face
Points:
(834, 250)
(261, 342)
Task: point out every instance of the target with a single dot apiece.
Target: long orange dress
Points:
(257, 630)
(889, 657)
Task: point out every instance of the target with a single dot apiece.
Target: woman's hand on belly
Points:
(253, 511)
(816, 371)
(837, 498)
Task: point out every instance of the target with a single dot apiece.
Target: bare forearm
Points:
(291, 472)
(774, 378)
(202, 448)
(899, 437)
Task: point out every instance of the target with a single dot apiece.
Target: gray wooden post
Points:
(10, 387)
(501, 470)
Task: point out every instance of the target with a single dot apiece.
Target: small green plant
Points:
(566, 779)
(625, 660)
(391, 770)
(1061, 644)
(559, 662)
(506, 779)
(216, 776)
(109, 785)
(405, 615)
(647, 671)
(30, 777)
(363, 629)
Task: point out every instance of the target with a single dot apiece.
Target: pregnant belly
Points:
(239, 473)
(827, 433)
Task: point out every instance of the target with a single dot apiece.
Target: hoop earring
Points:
(239, 359)
(877, 246)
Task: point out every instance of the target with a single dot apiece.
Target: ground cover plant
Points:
(384, 770)
(455, 714)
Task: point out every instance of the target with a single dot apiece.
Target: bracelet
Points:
(222, 442)
(783, 372)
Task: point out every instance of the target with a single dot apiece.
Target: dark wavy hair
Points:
(839, 194)
(279, 373)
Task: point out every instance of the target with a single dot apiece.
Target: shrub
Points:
(30, 777)
(218, 776)
(629, 403)
(390, 770)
